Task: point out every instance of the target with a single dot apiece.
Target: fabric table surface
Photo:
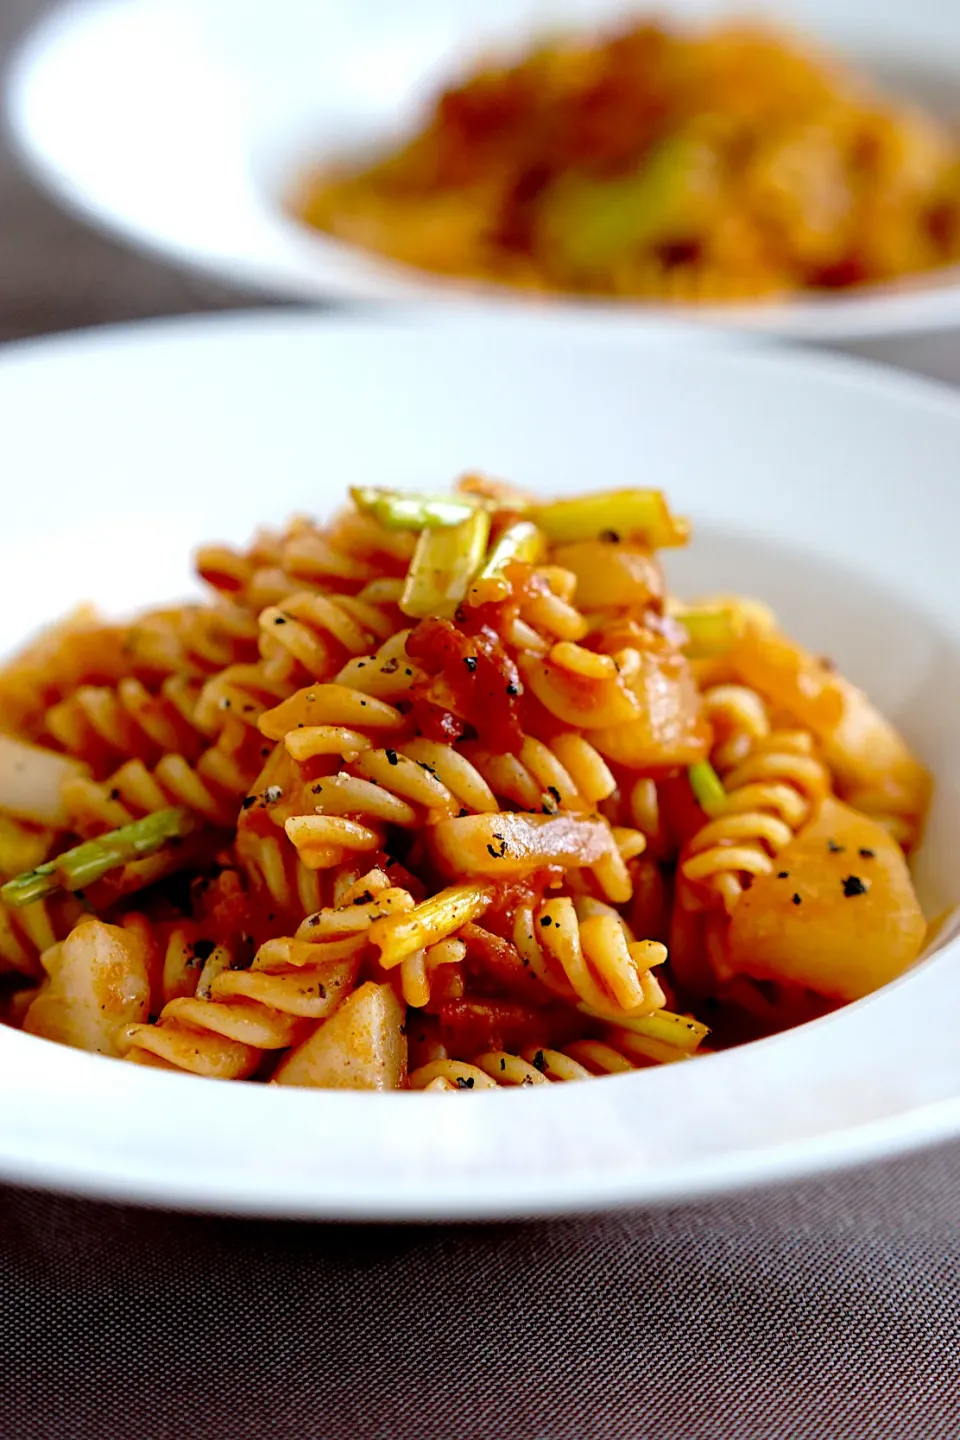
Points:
(827, 1309)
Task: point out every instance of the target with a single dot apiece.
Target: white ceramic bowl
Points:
(180, 124)
(827, 488)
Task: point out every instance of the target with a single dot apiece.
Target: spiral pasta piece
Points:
(449, 1074)
(769, 797)
(534, 1065)
(547, 614)
(338, 558)
(275, 868)
(343, 556)
(242, 693)
(23, 845)
(352, 815)
(644, 812)
(81, 649)
(306, 636)
(537, 1065)
(192, 640)
(212, 788)
(232, 572)
(224, 1033)
(349, 812)
(235, 1015)
(182, 959)
(101, 724)
(567, 773)
(388, 673)
(26, 932)
(352, 551)
(739, 720)
(433, 975)
(312, 633)
(587, 955)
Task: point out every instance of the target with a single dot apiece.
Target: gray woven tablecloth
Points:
(830, 1309)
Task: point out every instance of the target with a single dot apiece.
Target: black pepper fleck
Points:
(610, 536)
(471, 662)
(545, 920)
(783, 874)
(834, 848)
(512, 690)
(248, 801)
(797, 900)
(464, 1083)
(852, 886)
(392, 757)
(540, 1061)
(867, 854)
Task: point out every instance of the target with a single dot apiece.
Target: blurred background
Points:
(56, 274)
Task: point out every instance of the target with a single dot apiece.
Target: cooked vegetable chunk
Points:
(838, 914)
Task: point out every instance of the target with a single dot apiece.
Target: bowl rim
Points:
(65, 1134)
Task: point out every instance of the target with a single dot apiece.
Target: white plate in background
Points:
(180, 125)
(826, 487)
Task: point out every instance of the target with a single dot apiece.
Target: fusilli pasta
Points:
(450, 794)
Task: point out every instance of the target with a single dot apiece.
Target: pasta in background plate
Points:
(447, 794)
(729, 163)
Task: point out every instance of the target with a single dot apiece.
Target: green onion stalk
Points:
(443, 565)
(403, 510)
(707, 787)
(77, 868)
